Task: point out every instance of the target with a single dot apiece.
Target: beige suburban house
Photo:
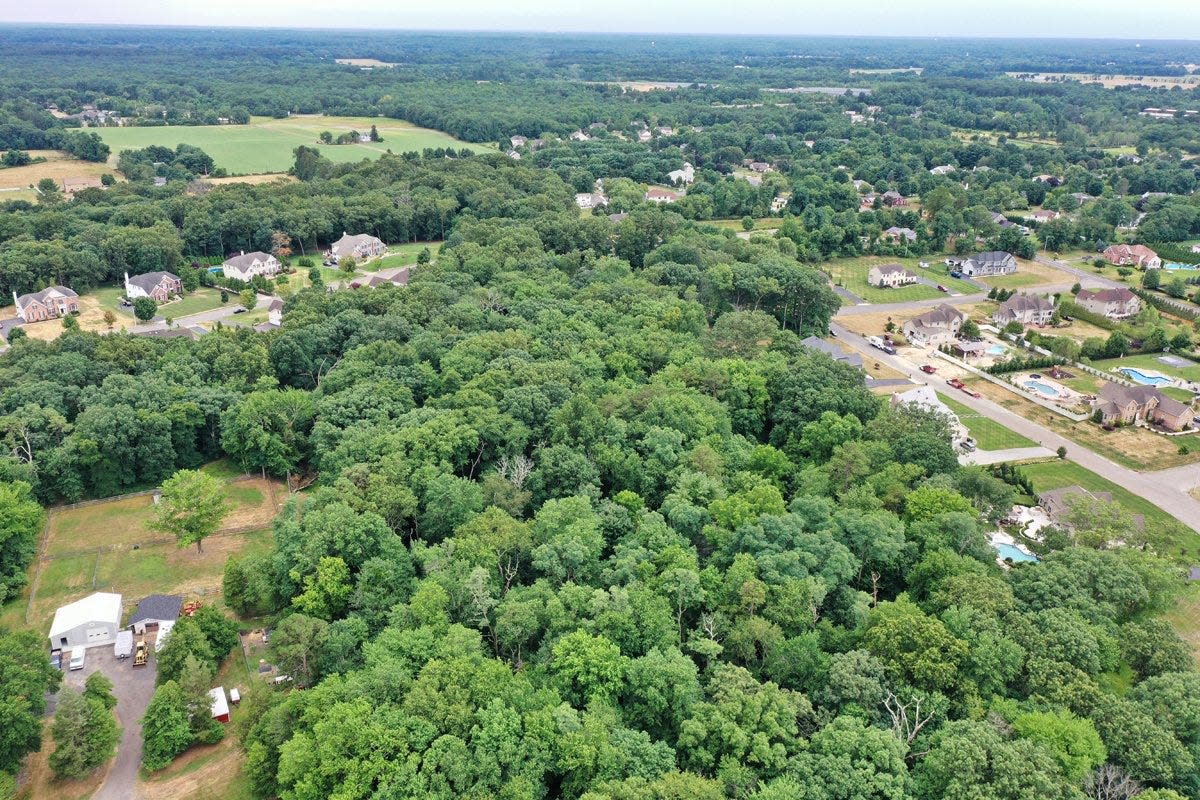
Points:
(50, 303)
(73, 185)
(358, 246)
(682, 176)
(245, 266)
(1127, 405)
(1136, 255)
(1115, 303)
(161, 286)
(898, 235)
(656, 195)
(890, 276)
(1027, 309)
(590, 200)
(937, 326)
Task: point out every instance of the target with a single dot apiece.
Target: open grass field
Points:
(1135, 448)
(401, 255)
(1029, 273)
(58, 165)
(1185, 616)
(987, 433)
(1150, 362)
(851, 273)
(1113, 81)
(266, 144)
(203, 299)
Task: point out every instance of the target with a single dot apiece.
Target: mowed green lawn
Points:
(987, 433)
(400, 255)
(851, 273)
(266, 144)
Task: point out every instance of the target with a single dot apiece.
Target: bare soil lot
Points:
(58, 165)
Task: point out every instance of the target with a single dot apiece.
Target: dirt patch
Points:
(201, 773)
(91, 318)
(266, 177)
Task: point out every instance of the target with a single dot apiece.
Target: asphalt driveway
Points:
(133, 689)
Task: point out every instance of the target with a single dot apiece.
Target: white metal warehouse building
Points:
(89, 622)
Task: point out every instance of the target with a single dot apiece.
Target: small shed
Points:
(154, 610)
(220, 704)
(89, 622)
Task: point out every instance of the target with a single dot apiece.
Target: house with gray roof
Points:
(245, 266)
(832, 350)
(936, 326)
(1128, 405)
(155, 609)
(1027, 309)
(161, 286)
(1114, 303)
(50, 303)
(993, 262)
(890, 275)
(360, 246)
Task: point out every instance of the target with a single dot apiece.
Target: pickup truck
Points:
(955, 382)
(880, 344)
(928, 369)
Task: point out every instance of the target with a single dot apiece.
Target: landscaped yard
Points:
(401, 255)
(1056, 474)
(1029, 273)
(1150, 362)
(987, 433)
(851, 273)
(266, 144)
(203, 299)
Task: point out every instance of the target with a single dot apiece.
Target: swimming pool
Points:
(1042, 388)
(1012, 552)
(1137, 376)
(1176, 265)
(997, 350)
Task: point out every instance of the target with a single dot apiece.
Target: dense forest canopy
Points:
(586, 518)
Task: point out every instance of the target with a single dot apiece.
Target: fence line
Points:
(249, 476)
(113, 548)
(1046, 404)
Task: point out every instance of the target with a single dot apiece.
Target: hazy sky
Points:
(1163, 19)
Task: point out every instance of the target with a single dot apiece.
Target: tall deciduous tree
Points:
(191, 507)
(85, 734)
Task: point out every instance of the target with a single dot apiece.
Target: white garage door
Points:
(97, 635)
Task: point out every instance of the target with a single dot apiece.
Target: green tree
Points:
(191, 507)
(295, 646)
(220, 631)
(327, 592)
(185, 639)
(21, 520)
(85, 735)
(248, 298)
(165, 728)
(588, 667)
(1072, 741)
(851, 760)
(25, 677)
(308, 162)
(269, 430)
(144, 308)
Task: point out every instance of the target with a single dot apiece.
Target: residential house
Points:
(275, 311)
(1053, 181)
(1057, 504)
(926, 399)
(517, 141)
(1082, 197)
(893, 199)
(245, 266)
(1044, 215)
(760, 166)
(890, 276)
(1117, 303)
(615, 218)
(360, 246)
(832, 350)
(993, 262)
(664, 130)
(50, 303)
(1004, 223)
(375, 281)
(1128, 405)
(72, 185)
(580, 136)
(898, 235)
(943, 169)
(644, 136)
(682, 176)
(779, 203)
(590, 200)
(935, 327)
(161, 286)
(1196, 248)
(656, 194)
(514, 155)
(866, 202)
(1027, 309)
(1137, 255)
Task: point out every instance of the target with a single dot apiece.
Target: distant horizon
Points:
(1155, 20)
(581, 32)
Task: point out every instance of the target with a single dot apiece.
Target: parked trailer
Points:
(123, 648)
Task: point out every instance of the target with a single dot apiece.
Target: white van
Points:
(77, 656)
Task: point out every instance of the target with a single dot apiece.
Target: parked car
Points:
(955, 273)
(78, 655)
(955, 382)
(968, 446)
(928, 369)
(239, 311)
(56, 659)
(942, 288)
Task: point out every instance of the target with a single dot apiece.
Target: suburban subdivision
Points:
(599, 416)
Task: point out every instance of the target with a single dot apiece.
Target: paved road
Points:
(1146, 485)
(997, 456)
(910, 305)
(226, 311)
(1182, 479)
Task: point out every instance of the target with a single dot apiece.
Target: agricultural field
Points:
(58, 165)
(851, 274)
(987, 433)
(266, 144)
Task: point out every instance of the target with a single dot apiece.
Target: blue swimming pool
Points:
(1042, 388)
(1176, 265)
(997, 350)
(1137, 376)
(1013, 553)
